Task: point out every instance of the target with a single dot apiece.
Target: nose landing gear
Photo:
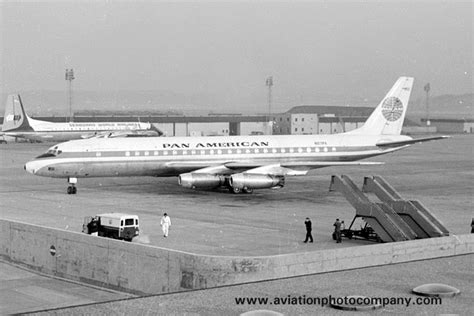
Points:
(71, 189)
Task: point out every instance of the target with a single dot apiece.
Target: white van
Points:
(115, 225)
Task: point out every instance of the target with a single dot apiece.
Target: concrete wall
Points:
(141, 269)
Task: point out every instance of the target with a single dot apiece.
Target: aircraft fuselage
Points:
(171, 156)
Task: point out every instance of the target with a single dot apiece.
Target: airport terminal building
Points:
(452, 126)
(299, 120)
(319, 119)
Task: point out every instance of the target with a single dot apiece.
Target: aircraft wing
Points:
(287, 168)
(294, 168)
(313, 164)
(408, 142)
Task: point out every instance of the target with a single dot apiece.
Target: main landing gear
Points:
(71, 189)
(236, 190)
(239, 190)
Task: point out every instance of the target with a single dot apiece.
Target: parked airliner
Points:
(240, 163)
(18, 124)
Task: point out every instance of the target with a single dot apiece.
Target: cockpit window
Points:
(46, 155)
(50, 153)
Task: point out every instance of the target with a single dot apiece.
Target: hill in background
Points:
(49, 103)
(444, 106)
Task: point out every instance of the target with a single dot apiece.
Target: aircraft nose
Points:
(31, 167)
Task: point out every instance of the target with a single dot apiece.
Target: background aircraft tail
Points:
(388, 116)
(15, 117)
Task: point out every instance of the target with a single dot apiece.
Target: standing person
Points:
(93, 226)
(307, 223)
(165, 224)
(337, 230)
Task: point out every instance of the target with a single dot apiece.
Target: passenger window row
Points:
(200, 152)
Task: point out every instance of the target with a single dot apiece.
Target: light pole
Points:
(70, 77)
(427, 90)
(269, 84)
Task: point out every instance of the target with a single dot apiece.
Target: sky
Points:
(225, 50)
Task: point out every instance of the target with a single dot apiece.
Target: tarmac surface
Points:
(267, 222)
(387, 282)
(24, 291)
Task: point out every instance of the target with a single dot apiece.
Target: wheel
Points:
(128, 236)
(69, 190)
(236, 190)
(74, 190)
(247, 190)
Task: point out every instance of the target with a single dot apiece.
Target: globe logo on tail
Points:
(392, 109)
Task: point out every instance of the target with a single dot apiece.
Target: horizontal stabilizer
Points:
(409, 142)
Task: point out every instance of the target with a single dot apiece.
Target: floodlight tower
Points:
(269, 84)
(70, 77)
(427, 90)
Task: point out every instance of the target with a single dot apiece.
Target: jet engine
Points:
(200, 180)
(248, 181)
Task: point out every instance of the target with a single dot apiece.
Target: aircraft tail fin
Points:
(156, 129)
(388, 116)
(15, 117)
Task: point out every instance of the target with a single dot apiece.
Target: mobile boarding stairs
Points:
(391, 219)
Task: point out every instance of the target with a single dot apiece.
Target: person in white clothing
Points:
(165, 224)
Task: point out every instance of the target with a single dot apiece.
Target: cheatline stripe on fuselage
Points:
(50, 126)
(252, 152)
(72, 131)
(288, 157)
